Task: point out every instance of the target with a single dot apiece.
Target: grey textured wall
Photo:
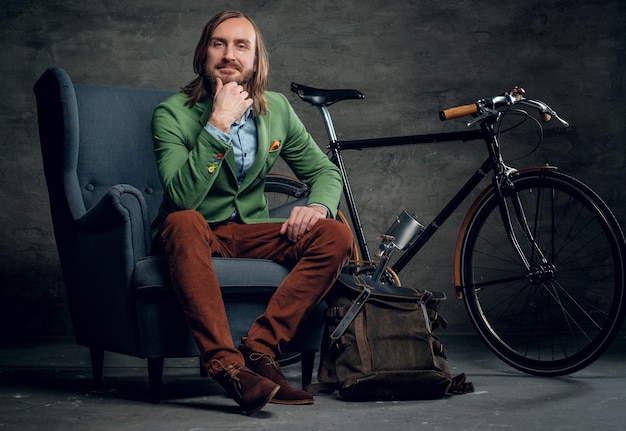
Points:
(411, 58)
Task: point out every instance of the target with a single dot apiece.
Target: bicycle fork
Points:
(503, 182)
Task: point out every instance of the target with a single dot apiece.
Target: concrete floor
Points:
(45, 385)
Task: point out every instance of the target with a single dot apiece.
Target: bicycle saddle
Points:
(319, 97)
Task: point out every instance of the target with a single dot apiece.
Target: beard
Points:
(243, 78)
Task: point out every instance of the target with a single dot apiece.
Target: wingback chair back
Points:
(104, 191)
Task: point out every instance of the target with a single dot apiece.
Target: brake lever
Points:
(546, 112)
(486, 112)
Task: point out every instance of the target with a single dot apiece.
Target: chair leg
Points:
(307, 363)
(97, 366)
(203, 371)
(155, 378)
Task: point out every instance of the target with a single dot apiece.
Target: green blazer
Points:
(198, 171)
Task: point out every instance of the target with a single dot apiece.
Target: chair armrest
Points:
(107, 242)
(122, 204)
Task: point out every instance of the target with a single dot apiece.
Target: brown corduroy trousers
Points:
(189, 244)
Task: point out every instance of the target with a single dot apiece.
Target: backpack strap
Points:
(354, 309)
(460, 386)
(322, 388)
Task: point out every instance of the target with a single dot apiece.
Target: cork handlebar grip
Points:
(458, 111)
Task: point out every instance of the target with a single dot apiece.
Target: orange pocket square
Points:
(275, 146)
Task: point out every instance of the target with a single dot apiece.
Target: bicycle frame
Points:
(493, 163)
(574, 280)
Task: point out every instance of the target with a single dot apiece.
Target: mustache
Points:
(243, 80)
(232, 64)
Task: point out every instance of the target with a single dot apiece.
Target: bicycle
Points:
(539, 259)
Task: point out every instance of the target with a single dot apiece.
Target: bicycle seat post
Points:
(347, 190)
(328, 123)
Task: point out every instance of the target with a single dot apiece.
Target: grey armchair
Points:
(104, 191)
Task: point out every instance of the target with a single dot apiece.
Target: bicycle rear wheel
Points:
(283, 193)
(555, 317)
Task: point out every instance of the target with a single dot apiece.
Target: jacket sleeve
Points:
(309, 163)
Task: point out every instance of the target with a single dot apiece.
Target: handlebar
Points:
(485, 108)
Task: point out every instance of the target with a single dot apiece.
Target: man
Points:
(214, 143)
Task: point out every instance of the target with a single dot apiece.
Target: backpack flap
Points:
(365, 289)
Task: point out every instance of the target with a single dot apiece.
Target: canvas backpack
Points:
(379, 344)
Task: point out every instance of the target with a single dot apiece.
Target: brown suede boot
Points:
(266, 366)
(251, 391)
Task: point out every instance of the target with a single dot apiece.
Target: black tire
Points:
(283, 193)
(560, 316)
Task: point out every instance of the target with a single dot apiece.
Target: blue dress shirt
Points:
(243, 137)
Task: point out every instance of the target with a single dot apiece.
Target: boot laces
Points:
(270, 360)
(231, 370)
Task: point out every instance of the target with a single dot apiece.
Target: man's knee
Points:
(181, 221)
(339, 233)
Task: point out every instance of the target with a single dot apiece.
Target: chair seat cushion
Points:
(235, 275)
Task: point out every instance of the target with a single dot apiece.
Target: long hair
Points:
(200, 88)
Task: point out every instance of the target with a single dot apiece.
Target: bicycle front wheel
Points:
(550, 317)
